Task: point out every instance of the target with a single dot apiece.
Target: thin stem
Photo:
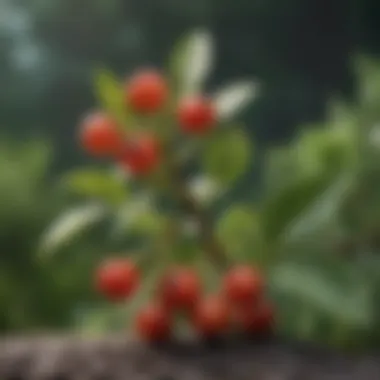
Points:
(209, 242)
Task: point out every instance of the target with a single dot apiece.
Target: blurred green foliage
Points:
(34, 294)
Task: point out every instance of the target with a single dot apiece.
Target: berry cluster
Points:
(240, 304)
(146, 93)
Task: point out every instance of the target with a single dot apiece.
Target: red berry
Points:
(243, 285)
(256, 319)
(196, 115)
(154, 323)
(100, 135)
(212, 316)
(141, 154)
(117, 279)
(180, 289)
(146, 92)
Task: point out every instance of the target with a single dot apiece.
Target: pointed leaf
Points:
(282, 209)
(322, 211)
(110, 94)
(227, 156)
(70, 225)
(234, 98)
(139, 217)
(101, 184)
(238, 229)
(191, 62)
(310, 287)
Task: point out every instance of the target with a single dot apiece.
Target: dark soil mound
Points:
(72, 358)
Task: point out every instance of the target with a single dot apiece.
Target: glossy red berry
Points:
(154, 323)
(100, 135)
(146, 92)
(243, 285)
(117, 279)
(196, 115)
(212, 316)
(141, 154)
(180, 288)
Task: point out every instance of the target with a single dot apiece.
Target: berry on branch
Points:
(117, 279)
(196, 115)
(243, 285)
(180, 289)
(141, 154)
(144, 154)
(100, 135)
(146, 92)
(212, 316)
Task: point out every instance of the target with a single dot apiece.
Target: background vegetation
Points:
(322, 222)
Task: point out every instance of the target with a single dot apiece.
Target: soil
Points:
(115, 358)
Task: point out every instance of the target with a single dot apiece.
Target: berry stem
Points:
(209, 242)
(208, 239)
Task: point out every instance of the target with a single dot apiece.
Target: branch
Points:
(209, 241)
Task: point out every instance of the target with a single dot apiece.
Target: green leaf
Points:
(280, 170)
(227, 156)
(308, 150)
(110, 94)
(94, 183)
(234, 98)
(191, 62)
(238, 230)
(282, 209)
(70, 225)
(346, 306)
(326, 149)
(321, 214)
(148, 222)
(139, 217)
